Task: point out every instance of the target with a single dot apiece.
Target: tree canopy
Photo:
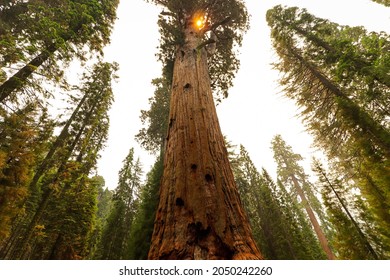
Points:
(227, 19)
(339, 78)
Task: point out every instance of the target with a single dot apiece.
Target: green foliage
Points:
(104, 204)
(62, 195)
(339, 77)
(152, 138)
(287, 166)
(383, 2)
(52, 34)
(278, 223)
(116, 233)
(291, 174)
(228, 19)
(142, 227)
(355, 231)
(69, 218)
(20, 145)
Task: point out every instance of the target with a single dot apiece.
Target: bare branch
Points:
(164, 13)
(215, 25)
(205, 43)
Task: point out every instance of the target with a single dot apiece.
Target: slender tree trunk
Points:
(356, 225)
(49, 191)
(200, 215)
(58, 144)
(321, 236)
(373, 131)
(19, 78)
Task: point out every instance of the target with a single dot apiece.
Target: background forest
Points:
(56, 92)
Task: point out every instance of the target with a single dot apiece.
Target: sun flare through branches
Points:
(200, 22)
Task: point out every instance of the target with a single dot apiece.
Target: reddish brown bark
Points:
(317, 228)
(200, 215)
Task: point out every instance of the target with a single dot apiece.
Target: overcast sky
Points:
(255, 110)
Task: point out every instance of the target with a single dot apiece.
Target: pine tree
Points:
(356, 236)
(339, 77)
(50, 32)
(198, 196)
(75, 150)
(153, 137)
(142, 227)
(278, 224)
(116, 233)
(300, 228)
(23, 135)
(289, 172)
(104, 205)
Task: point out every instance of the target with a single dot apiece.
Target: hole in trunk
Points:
(194, 167)
(208, 178)
(187, 86)
(171, 121)
(179, 202)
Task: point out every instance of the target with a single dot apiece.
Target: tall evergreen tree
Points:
(104, 205)
(339, 76)
(289, 172)
(23, 135)
(153, 137)
(74, 150)
(300, 226)
(116, 234)
(46, 32)
(198, 196)
(279, 226)
(356, 236)
(142, 227)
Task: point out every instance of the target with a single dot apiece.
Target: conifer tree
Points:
(46, 32)
(298, 226)
(153, 136)
(198, 196)
(23, 135)
(339, 77)
(289, 172)
(142, 227)
(383, 2)
(104, 204)
(278, 224)
(356, 235)
(116, 233)
(74, 150)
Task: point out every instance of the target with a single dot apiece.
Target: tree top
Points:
(228, 20)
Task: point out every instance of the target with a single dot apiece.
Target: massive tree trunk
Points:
(200, 215)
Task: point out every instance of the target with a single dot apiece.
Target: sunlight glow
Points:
(200, 22)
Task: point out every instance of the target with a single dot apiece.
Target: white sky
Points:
(255, 110)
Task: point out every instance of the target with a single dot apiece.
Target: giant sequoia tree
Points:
(290, 172)
(200, 215)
